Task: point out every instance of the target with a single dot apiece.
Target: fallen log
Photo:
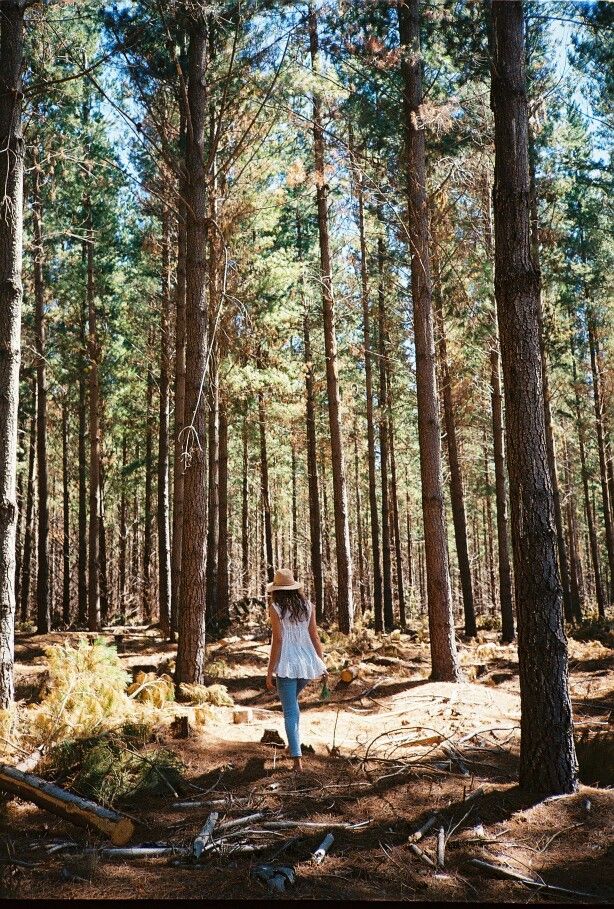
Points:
(314, 825)
(73, 808)
(441, 847)
(241, 821)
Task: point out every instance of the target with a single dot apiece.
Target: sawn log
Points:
(58, 801)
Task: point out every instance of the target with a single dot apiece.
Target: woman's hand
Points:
(270, 684)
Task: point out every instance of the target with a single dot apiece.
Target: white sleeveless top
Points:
(298, 658)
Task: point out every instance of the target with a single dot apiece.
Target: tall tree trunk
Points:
(548, 762)
(192, 597)
(592, 532)
(577, 595)
(245, 509)
(444, 656)
(315, 524)
(93, 599)
(488, 528)
(457, 496)
(382, 402)
(11, 293)
(180, 367)
(396, 525)
(410, 541)
(147, 548)
(345, 601)
(223, 580)
(264, 487)
(378, 602)
(598, 404)
(19, 539)
(82, 587)
(164, 554)
(29, 530)
(43, 611)
(213, 516)
(361, 554)
(294, 513)
(104, 568)
(506, 593)
(65, 519)
(123, 537)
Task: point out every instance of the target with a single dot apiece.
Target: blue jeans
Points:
(289, 690)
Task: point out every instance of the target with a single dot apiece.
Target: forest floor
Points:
(390, 749)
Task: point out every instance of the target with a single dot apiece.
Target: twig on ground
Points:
(422, 855)
(511, 875)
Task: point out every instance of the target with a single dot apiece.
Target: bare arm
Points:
(313, 634)
(275, 644)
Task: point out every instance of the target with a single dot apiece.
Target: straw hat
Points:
(283, 580)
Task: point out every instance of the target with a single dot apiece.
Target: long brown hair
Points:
(292, 603)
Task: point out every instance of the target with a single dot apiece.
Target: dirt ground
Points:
(390, 749)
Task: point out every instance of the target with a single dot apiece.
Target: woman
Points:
(296, 651)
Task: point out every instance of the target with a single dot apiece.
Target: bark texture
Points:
(444, 655)
(191, 620)
(547, 756)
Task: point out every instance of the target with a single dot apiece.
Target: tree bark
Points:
(93, 597)
(164, 555)
(345, 601)
(82, 587)
(43, 612)
(598, 405)
(11, 294)
(506, 593)
(577, 594)
(65, 519)
(592, 532)
(294, 512)
(192, 597)
(180, 367)
(315, 524)
(102, 544)
(123, 537)
(361, 554)
(548, 762)
(223, 580)
(444, 656)
(264, 486)
(457, 496)
(245, 509)
(147, 548)
(382, 402)
(29, 530)
(396, 524)
(378, 602)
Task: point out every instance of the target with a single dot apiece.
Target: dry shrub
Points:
(85, 693)
(216, 695)
(9, 734)
(218, 669)
(587, 650)
(152, 689)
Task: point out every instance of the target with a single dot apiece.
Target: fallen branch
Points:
(141, 852)
(75, 809)
(509, 874)
(241, 821)
(422, 855)
(320, 854)
(205, 834)
(441, 848)
(315, 825)
(417, 836)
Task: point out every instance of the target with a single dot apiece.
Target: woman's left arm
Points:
(275, 647)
